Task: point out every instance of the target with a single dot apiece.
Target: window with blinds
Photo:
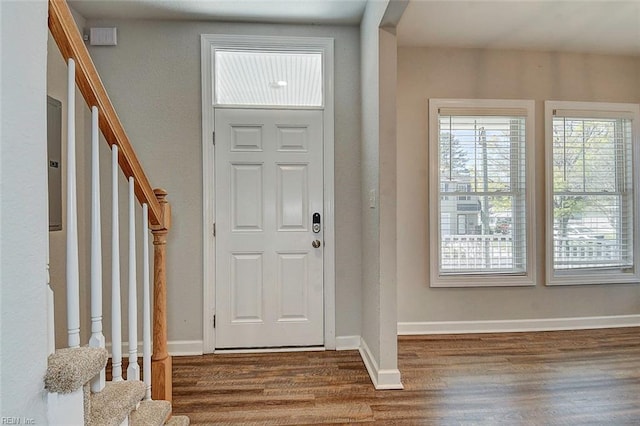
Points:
(591, 202)
(479, 155)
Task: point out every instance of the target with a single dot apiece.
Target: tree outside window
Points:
(591, 182)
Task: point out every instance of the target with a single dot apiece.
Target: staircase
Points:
(69, 377)
(79, 393)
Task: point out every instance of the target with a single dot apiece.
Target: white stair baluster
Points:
(97, 338)
(133, 370)
(73, 274)
(116, 321)
(146, 304)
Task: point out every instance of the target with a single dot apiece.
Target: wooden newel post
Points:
(161, 367)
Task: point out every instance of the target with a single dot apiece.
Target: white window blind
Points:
(482, 183)
(592, 213)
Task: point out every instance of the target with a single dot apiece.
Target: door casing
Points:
(209, 43)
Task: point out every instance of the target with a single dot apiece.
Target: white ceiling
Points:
(561, 25)
(285, 11)
(604, 26)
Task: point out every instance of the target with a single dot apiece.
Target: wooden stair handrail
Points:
(65, 32)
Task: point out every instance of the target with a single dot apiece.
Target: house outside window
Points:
(592, 218)
(481, 162)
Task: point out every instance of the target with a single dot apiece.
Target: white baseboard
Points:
(347, 343)
(270, 350)
(520, 325)
(382, 379)
(175, 348)
(185, 347)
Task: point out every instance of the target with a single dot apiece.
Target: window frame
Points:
(612, 275)
(495, 279)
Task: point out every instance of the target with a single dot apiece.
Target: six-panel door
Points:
(268, 173)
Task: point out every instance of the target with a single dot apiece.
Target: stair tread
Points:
(178, 421)
(111, 406)
(150, 413)
(70, 368)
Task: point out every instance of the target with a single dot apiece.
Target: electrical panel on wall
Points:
(54, 154)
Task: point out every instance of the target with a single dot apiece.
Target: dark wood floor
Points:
(553, 378)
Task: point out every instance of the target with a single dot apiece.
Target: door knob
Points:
(316, 243)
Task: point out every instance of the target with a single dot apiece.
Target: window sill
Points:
(593, 278)
(468, 281)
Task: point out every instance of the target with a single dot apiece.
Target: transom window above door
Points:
(268, 78)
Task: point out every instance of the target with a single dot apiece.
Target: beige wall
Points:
(370, 169)
(388, 199)
(379, 307)
(425, 73)
(153, 78)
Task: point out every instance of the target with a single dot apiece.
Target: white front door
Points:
(269, 185)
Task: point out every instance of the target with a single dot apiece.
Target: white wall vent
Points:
(103, 36)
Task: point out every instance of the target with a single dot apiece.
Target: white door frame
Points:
(209, 43)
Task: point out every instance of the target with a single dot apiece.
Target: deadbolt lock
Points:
(316, 223)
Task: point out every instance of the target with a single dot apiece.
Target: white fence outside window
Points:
(469, 252)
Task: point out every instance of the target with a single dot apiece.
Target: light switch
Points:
(372, 199)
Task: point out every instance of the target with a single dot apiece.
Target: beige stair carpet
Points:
(150, 413)
(178, 421)
(86, 399)
(111, 406)
(70, 368)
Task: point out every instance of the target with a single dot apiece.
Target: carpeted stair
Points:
(178, 421)
(156, 413)
(111, 406)
(150, 413)
(71, 369)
